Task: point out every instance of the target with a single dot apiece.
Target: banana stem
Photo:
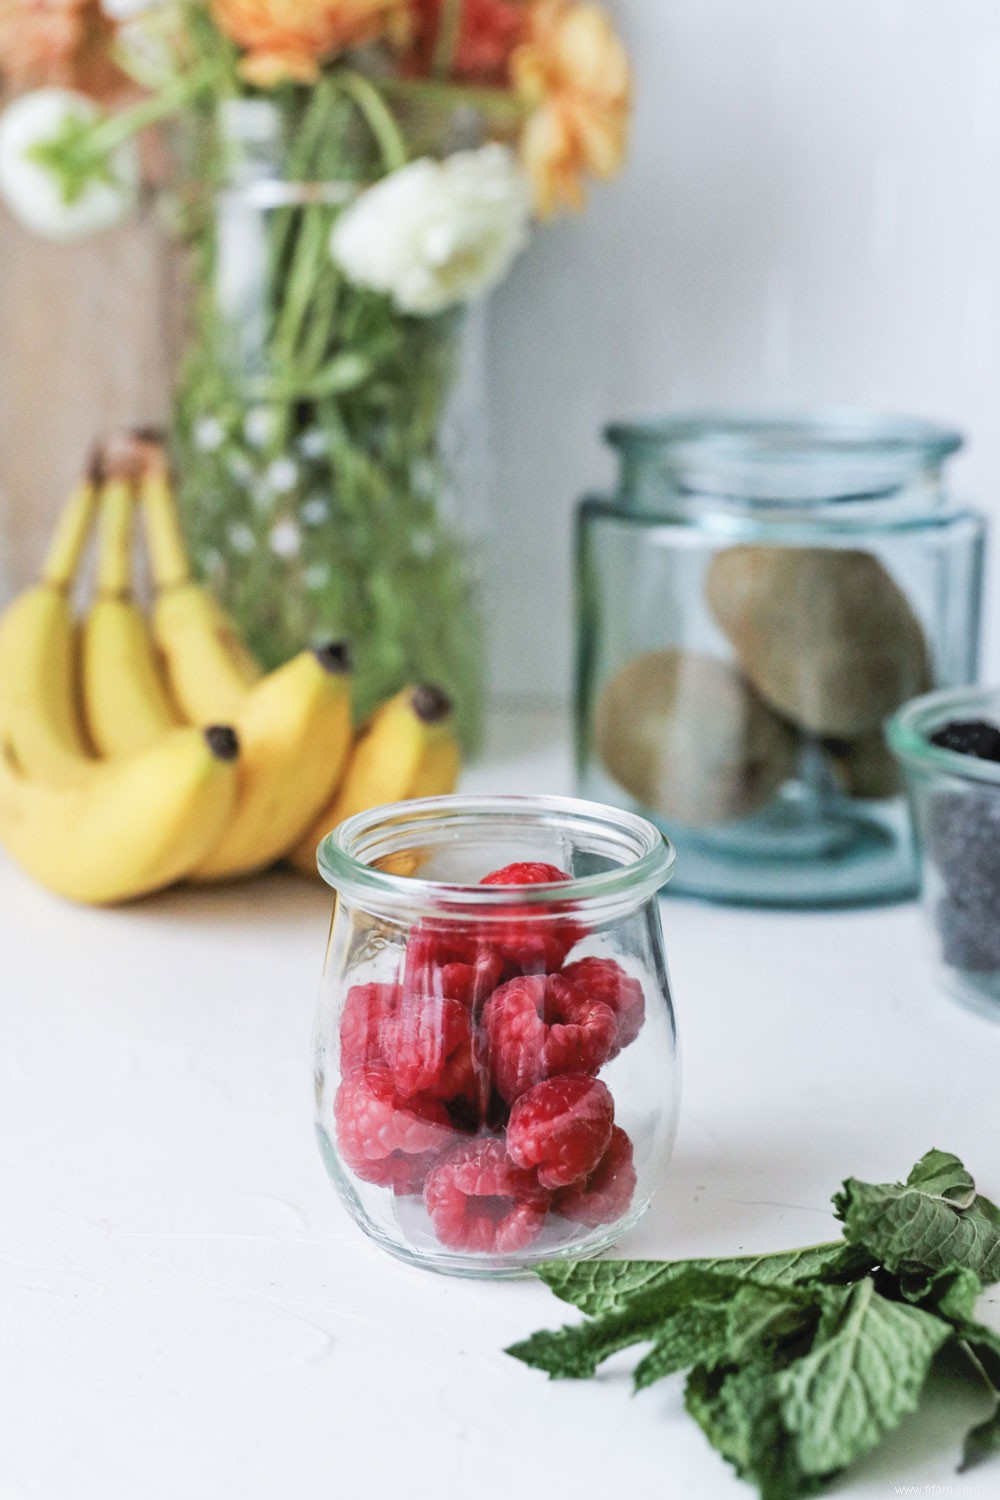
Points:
(72, 531)
(114, 558)
(167, 551)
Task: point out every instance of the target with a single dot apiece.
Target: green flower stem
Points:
(500, 106)
(446, 41)
(377, 115)
(300, 290)
(321, 326)
(107, 134)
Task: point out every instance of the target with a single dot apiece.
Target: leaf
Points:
(982, 1442)
(596, 1286)
(762, 1320)
(739, 1411)
(984, 1343)
(698, 1334)
(951, 1294)
(939, 1174)
(918, 1223)
(864, 1373)
(574, 1352)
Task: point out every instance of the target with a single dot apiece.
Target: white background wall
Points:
(811, 213)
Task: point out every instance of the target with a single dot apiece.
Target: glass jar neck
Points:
(252, 140)
(378, 860)
(819, 465)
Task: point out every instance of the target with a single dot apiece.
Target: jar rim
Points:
(910, 728)
(801, 435)
(343, 868)
(816, 462)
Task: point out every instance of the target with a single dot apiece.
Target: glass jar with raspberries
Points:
(495, 1052)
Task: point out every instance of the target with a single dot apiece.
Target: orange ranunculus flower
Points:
(575, 73)
(488, 32)
(289, 39)
(64, 43)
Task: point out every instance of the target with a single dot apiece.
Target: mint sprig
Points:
(801, 1362)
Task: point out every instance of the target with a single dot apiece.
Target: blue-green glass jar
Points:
(760, 595)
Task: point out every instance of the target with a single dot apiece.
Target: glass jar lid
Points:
(782, 461)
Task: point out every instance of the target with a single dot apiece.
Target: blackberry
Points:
(970, 737)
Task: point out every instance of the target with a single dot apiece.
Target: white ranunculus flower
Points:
(435, 234)
(34, 194)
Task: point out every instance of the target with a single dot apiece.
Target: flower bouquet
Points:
(349, 175)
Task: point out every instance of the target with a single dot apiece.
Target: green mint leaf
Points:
(697, 1334)
(596, 1286)
(982, 1442)
(951, 1294)
(939, 1174)
(919, 1222)
(865, 1372)
(984, 1343)
(739, 1411)
(763, 1321)
(574, 1352)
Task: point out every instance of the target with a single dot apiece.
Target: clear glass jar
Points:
(956, 810)
(325, 451)
(496, 1071)
(754, 602)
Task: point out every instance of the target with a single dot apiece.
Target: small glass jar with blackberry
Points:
(496, 1077)
(949, 746)
(756, 599)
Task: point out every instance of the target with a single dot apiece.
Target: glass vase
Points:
(316, 482)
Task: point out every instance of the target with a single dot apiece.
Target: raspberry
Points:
(530, 939)
(406, 1175)
(367, 1009)
(533, 1029)
(562, 1128)
(451, 965)
(479, 1200)
(526, 873)
(605, 980)
(428, 1047)
(607, 1193)
(376, 1126)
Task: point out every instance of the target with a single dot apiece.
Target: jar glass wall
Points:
(496, 1074)
(754, 602)
(956, 810)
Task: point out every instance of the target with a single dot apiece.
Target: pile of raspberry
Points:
(473, 1079)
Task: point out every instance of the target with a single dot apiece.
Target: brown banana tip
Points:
(94, 471)
(122, 457)
(151, 445)
(429, 703)
(223, 742)
(335, 657)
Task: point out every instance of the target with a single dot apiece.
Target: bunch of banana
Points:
(92, 830)
(139, 750)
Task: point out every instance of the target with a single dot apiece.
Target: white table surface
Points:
(187, 1313)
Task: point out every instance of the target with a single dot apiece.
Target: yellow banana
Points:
(295, 732)
(208, 668)
(125, 702)
(407, 749)
(39, 713)
(131, 827)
